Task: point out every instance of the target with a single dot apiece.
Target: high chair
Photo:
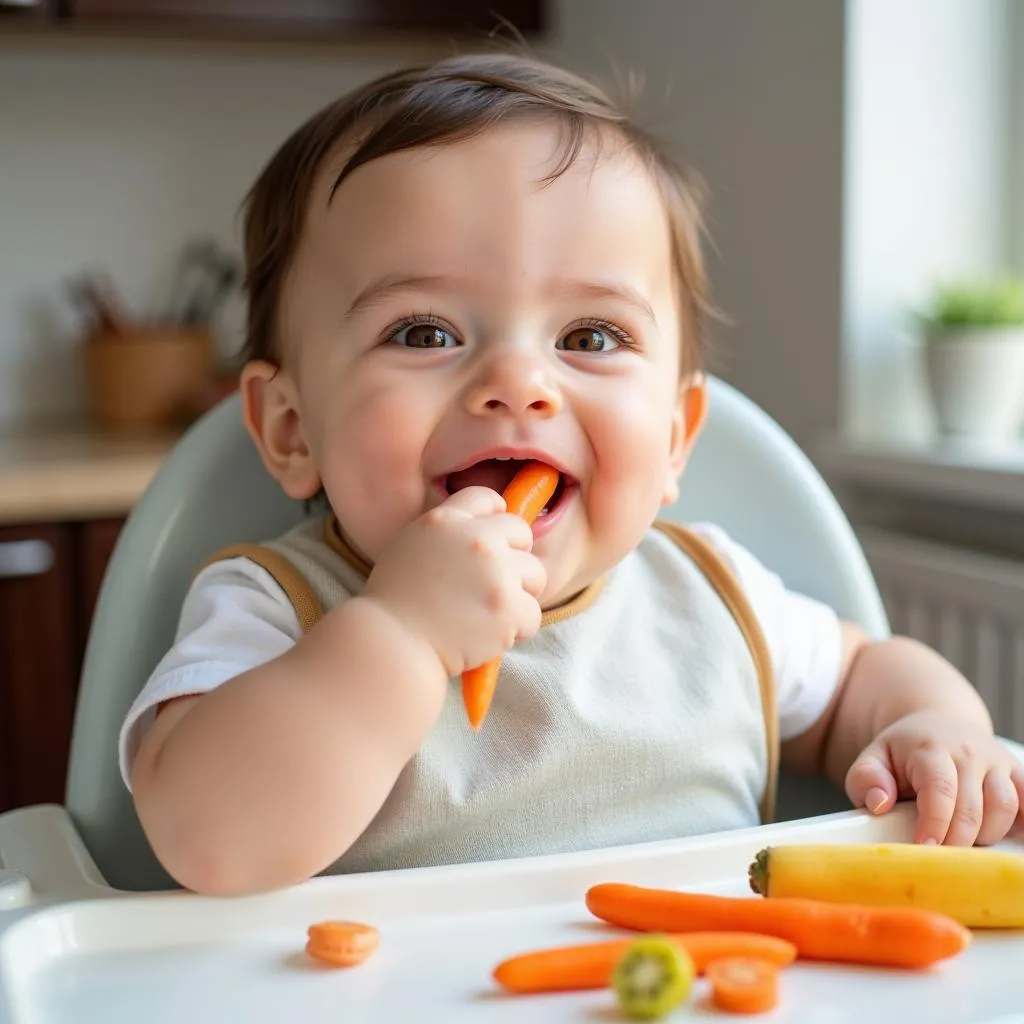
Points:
(745, 474)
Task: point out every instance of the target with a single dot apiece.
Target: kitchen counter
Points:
(72, 472)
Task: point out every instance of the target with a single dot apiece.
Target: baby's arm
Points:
(883, 720)
(270, 777)
(905, 722)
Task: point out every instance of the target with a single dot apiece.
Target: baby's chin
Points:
(563, 600)
(566, 582)
(588, 548)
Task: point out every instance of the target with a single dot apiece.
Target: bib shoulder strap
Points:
(721, 577)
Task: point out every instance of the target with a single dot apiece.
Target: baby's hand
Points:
(463, 577)
(969, 787)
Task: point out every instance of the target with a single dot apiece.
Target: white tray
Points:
(98, 955)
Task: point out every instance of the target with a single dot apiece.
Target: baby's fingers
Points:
(528, 616)
(1001, 806)
(532, 573)
(932, 774)
(474, 501)
(870, 782)
(970, 810)
(516, 531)
(1017, 778)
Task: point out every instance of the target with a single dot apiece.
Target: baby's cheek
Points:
(375, 481)
(631, 464)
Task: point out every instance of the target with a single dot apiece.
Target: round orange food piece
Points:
(744, 984)
(342, 943)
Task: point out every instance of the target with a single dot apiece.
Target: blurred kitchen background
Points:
(858, 154)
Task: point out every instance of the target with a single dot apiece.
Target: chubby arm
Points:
(267, 779)
(270, 777)
(904, 722)
(880, 683)
(889, 681)
(806, 753)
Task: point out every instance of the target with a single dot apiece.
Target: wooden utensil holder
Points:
(146, 378)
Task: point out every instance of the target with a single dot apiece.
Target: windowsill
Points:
(960, 472)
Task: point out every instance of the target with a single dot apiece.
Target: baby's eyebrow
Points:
(617, 290)
(381, 289)
(384, 287)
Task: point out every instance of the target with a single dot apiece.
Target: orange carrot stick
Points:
(574, 968)
(744, 984)
(527, 494)
(894, 936)
(342, 943)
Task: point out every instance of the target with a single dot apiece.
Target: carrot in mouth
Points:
(526, 495)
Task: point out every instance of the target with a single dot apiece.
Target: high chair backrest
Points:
(745, 474)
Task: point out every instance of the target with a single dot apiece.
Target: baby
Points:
(451, 271)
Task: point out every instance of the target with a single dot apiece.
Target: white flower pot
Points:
(976, 377)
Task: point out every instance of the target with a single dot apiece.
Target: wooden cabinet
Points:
(50, 577)
(26, 10)
(299, 17)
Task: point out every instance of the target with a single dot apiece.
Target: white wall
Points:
(111, 155)
(114, 153)
(752, 94)
(1015, 165)
(927, 178)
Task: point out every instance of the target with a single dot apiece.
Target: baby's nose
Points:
(514, 385)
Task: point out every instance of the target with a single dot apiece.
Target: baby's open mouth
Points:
(497, 474)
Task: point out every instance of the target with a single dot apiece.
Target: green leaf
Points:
(998, 302)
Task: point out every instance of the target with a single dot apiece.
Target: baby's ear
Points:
(270, 411)
(690, 413)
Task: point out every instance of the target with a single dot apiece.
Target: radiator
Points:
(967, 605)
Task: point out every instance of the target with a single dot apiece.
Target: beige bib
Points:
(643, 709)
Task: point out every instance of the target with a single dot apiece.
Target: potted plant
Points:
(974, 358)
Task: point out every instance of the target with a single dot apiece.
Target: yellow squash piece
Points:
(980, 888)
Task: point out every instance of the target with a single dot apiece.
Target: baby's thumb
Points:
(870, 782)
(476, 501)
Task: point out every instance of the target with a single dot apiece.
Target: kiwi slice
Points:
(653, 977)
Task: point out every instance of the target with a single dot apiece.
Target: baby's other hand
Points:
(969, 786)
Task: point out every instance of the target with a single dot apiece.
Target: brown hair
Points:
(450, 101)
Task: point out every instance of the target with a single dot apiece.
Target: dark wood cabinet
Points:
(50, 577)
(26, 11)
(38, 652)
(301, 17)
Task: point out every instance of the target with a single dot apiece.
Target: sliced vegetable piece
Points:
(744, 984)
(653, 977)
(342, 943)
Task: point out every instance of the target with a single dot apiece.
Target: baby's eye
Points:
(424, 336)
(587, 339)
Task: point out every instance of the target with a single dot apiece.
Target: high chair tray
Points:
(112, 957)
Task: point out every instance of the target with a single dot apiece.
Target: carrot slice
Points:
(342, 943)
(527, 494)
(744, 984)
(588, 966)
(884, 936)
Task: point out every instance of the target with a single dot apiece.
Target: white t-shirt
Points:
(236, 617)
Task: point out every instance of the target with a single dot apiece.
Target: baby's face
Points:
(447, 309)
